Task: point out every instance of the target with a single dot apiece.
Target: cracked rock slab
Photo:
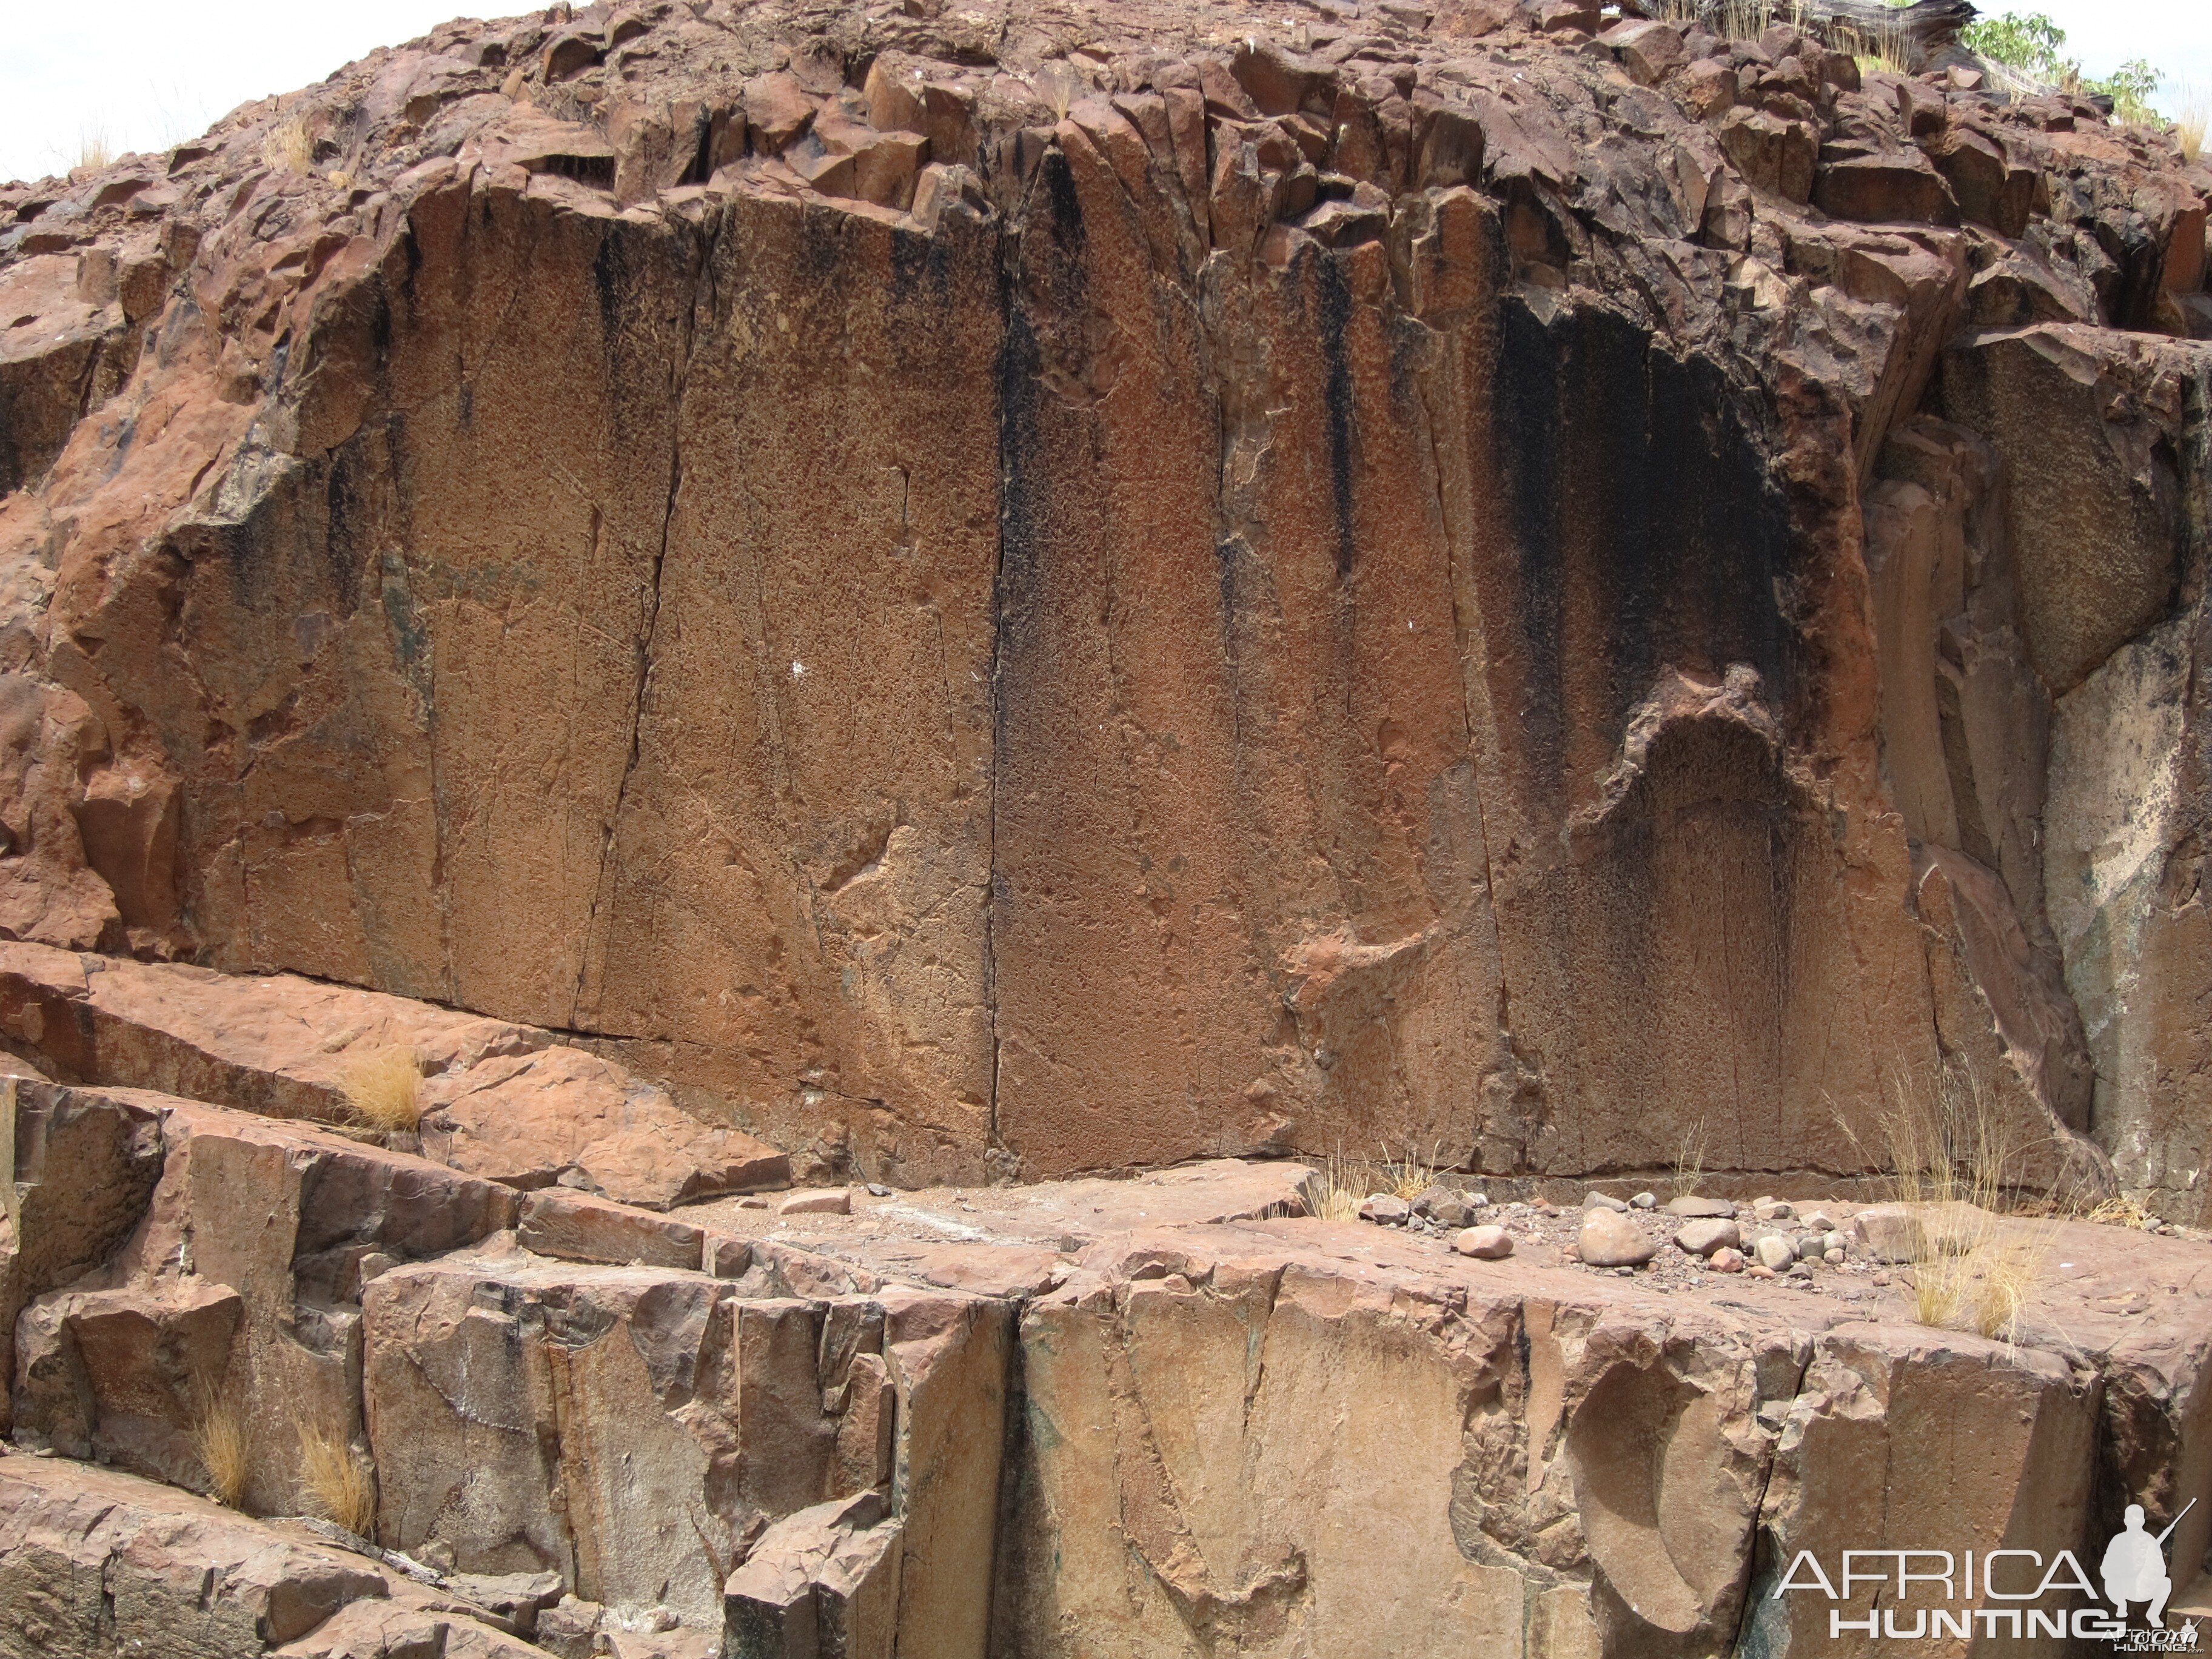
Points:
(510, 1103)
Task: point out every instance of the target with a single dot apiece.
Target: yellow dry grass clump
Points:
(2188, 125)
(337, 1479)
(1886, 48)
(2120, 1210)
(219, 1442)
(1958, 1163)
(1059, 85)
(1689, 1160)
(384, 1089)
(1979, 1271)
(289, 146)
(1347, 1181)
(1881, 46)
(1737, 20)
(1343, 1189)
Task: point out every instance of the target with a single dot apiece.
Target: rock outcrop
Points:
(1002, 591)
(636, 1432)
(616, 610)
(612, 611)
(94, 1563)
(499, 1100)
(1187, 1418)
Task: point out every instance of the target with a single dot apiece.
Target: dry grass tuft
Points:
(219, 1442)
(339, 1480)
(1956, 1160)
(1345, 1184)
(1059, 84)
(2011, 1267)
(1339, 1199)
(1747, 20)
(1408, 1177)
(1883, 46)
(384, 1089)
(92, 150)
(1979, 1276)
(289, 146)
(1689, 1160)
(2189, 126)
(1347, 1181)
(1939, 1290)
(1886, 48)
(2119, 1212)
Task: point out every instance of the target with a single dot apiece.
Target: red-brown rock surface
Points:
(499, 1100)
(1211, 1421)
(94, 1563)
(1033, 589)
(614, 609)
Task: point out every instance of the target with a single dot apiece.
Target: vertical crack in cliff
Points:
(1228, 541)
(88, 379)
(1429, 425)
(1257, 1377)
(1009, 252)
(1510, 1060)
(1238, 376)
(1743, 1641)
(1336, 318)
(702, 244)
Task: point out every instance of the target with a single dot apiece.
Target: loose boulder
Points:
(1485, 1243)
(1609, 1239)
(1703, 1237)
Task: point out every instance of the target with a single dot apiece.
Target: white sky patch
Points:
(145, 75)
(2174, 35)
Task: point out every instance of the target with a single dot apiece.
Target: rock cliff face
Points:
(971, 597)
(1018, 590)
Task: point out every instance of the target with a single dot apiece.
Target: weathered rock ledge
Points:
(1165, 1413)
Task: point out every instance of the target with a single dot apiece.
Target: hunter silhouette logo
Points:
(2134, 1568)
(1999, 1594)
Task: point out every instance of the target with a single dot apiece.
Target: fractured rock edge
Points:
(832, 1437)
